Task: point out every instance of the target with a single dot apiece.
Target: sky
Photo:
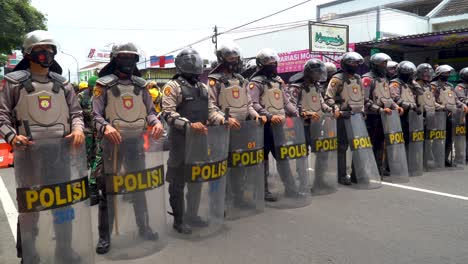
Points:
(157, 27)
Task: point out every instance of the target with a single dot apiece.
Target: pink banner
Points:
(294, 61)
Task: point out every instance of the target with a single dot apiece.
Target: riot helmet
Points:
(424, 72)
(443, 72)
(405, 71)
(267, 62)
(315, 71)
(378, 64)
(350, 62)
(189, 64)
(464, 74)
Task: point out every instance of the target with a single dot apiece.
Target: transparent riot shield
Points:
(367, 174)
(52, 193)
(416, 144)
(206, 159)
(324, 145)
(395, 147)
(434, 142)
(245, 182)
(291, 183)
(459, 137)
(134, 174)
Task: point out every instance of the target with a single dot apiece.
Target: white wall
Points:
(361, 27)
(402, 24)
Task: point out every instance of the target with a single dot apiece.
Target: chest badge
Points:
(45, 102)
(127, 102)
(314, 98)
(277, 95)
(355, 89)
(235, 93)
(450, 94)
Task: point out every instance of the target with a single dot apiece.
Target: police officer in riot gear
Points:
(426, 100)
(305, 94)
(186, 103)
(378, 100)
(462, 92)
(331, 70)
(38, 76)
(391, 70)
(266, 87)
(402, 91)
(113, 117)
(228, 90)
(444, 95)
(344, 93)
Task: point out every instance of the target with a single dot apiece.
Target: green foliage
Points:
(17, 17)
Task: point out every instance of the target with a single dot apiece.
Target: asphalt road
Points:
(388, 225)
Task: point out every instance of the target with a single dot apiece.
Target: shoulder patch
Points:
(17, 76)
(57, 77)
(215, 76)
(366, 81)
(212, 82)
(97, 90)
(251, 86)
(107, 80)
(167, 91)
(394, 85)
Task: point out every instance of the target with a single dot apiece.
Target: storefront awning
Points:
(435, 40)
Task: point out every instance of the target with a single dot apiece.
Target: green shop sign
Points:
(328, 40)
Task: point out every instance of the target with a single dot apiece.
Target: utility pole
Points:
(214, 39)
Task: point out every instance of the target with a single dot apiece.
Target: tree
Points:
(17, 18)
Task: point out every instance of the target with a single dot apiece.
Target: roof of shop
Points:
(441, 39)
(452, 8)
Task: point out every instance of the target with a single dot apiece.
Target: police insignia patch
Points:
(167, 91)
(45, 102)
(251, 86)
(212, 83)
(97, 91)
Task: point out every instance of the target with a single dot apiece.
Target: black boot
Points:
(66, 255)
(345, 180)
(181, 227)
(104, 226)
(103, 245)
(148, 234)
(197, 221)
(269, 197)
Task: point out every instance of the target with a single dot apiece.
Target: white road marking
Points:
(9, 207)
(426, 191)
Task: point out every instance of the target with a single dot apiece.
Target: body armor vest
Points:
(309, 99)
(194, 105)
(405, 92)
(381, 92)
(232, 94)
(446, 96)
(352, 97)
(44, 108)
(426, 100)
(125, 108)
(272, 98)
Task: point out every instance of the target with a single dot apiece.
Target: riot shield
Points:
(134, 174)
(245, 182)
(395, 147)
(416, 144)
(291, 183)
(206, 159)
(459, 137)
(367, 174)
(324, 145)
(52, 193)
(434, 142)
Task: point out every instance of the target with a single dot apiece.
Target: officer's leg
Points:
(95, 163)
(343, 174)
(449, 142)
(175, 177)
(301, 164)
(27, 231)
(237, 184)
(105, 215)
(268, 147)
(193, 198)
(285, 173)
(377, 136)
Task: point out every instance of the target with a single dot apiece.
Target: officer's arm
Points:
(213, 91)
(169, 105)
(250, 108)
(395, 93)
(76, 113)
(8, 98)
(99, 102)
(151, 116)
(331, 92)
(256, 91)
(289, 107)
(369, 104)
(325, 106)
(214, 115)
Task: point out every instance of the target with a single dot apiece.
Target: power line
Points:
(229, 30)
